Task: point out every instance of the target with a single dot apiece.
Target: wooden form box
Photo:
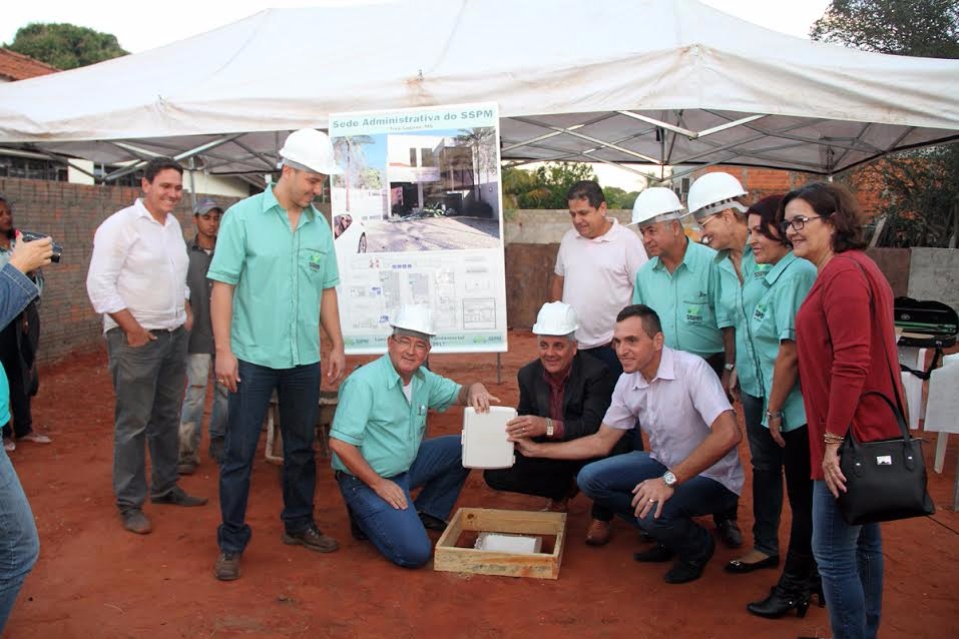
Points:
(449, 558)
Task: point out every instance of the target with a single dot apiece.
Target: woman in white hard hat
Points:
(714, 203)
(779, 443)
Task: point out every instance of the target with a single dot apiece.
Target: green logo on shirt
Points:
(315, 261)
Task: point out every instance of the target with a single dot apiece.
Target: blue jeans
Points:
(610, 482)
(199, 367)
(19, 543)
(298, 391)
(398, 534)
(850, 562)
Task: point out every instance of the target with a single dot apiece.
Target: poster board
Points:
(417, 219)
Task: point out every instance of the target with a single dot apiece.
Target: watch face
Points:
(669, 479)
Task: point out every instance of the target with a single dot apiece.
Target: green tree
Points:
(927, 28)
(617, 198)
(349, 151)
(920, 188)
(482, 144)
(544, 188)
(65, 46)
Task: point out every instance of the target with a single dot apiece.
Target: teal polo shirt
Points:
(280, 275)
(374, 415)
(773, 320)
(684, 300)
(735, 302)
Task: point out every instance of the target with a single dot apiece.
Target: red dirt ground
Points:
(95, 580)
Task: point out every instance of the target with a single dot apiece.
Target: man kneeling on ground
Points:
(563, 396)
(380, 453)
(693, 466)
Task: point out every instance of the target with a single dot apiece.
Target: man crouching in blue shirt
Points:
(380, 451)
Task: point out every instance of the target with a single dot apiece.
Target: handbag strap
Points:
(897, 408)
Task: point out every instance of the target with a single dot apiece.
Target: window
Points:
(32, 169)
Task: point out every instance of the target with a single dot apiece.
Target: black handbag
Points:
(886, 478)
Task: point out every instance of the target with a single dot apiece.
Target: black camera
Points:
(29, 236)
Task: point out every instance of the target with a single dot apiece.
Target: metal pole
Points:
(192, 184)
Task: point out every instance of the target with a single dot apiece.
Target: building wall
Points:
(71, 213)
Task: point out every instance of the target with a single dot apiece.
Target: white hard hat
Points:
(416, 318)
(713, 193)
(656, 204)
(555, 318)
(311, 149)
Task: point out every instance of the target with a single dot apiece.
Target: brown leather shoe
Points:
(311, 538)
(599, 533)
(227, 566)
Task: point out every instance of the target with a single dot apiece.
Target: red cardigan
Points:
(846, 342)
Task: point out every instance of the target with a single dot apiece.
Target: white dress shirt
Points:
(598, 279)
(140, 265)
(676, 409)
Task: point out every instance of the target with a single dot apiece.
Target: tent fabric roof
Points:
(551, 65)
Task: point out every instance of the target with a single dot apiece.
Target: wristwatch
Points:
(549, 427)
(729, 366)
(670, 479)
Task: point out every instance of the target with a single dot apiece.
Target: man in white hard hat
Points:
(595, 267)
(681, 283)
(274, 275)
(379, 445)
(693, 464)
(563, 395)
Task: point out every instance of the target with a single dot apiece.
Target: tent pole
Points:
(192, 183)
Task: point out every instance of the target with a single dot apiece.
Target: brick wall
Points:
(762, 182)
(71, 213)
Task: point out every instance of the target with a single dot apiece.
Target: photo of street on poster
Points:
(417, 219)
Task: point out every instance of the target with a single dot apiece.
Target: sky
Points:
(141, 27)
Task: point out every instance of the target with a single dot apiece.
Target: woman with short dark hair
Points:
(778, 439)
(846, 345)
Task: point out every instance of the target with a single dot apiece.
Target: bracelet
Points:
(777, 414)
(832, 438)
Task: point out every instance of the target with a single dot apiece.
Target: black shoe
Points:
(655, 555)
(135, 521)
(432, 523)
(179, 497)
(227, 566)
(355, 529)
(729, 532)
(686, 570)
(311, 538)
(738, 567)
(778, 603)
(186, 468)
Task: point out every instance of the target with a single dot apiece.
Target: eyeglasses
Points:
(797, 222)
(703, 221)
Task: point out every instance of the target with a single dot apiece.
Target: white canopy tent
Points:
(669, 82)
